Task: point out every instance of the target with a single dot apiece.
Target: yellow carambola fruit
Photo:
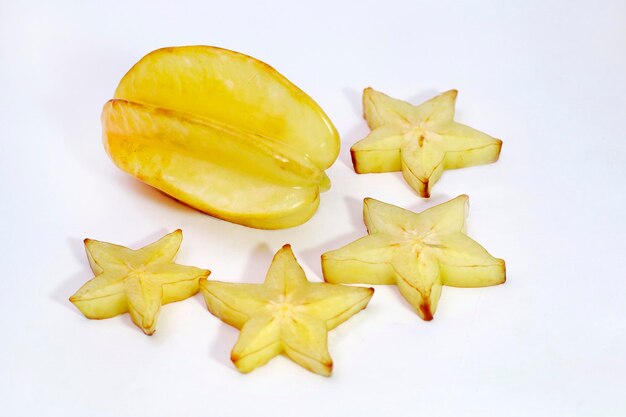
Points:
(136, 281)
(417, 252)
(421, 141)
(222, 132)
(286, 314)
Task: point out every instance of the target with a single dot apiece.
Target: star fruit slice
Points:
(418, 252)
(222, 132)
(421, 141)
(286, 314)
(136, 281)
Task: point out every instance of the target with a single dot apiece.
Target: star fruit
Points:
(136, 281)
(421, 141)
(417, 252)
(222, 132)
(286, 314)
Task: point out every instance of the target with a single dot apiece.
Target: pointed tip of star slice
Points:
(369, 91)
(453, 93)
(462, 200)
(373, 202)
(501, 266)
(367, 200)
(284, 251)
(90, 243)
(355, 161)
(498, 144)
(422, 186)
(177, 233)
(326, 369)
(147, 329)
(425, 312)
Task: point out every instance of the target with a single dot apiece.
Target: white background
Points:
(547, 77)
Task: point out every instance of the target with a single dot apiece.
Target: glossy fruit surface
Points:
(224, 133)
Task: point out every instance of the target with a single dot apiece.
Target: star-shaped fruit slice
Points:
(286, 314)
(417, 252)
(136, 281)
(421, 141)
